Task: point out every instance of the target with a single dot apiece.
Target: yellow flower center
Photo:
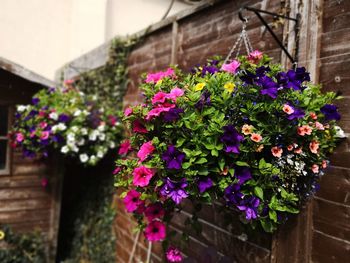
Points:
(2, 235)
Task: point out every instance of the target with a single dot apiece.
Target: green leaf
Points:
(201, 161)
(273, 215)
(186, 165)
(259, 192)
(180, 142)
(240, 163)
(214, 153)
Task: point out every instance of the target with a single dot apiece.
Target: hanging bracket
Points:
(258, 13)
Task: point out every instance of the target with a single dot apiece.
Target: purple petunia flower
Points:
(250, 206)
(243, 174)
(209, 69)
(269, 87)
(173, 114)
(63, 118)
(204, 184)
(293, 78)
(204, 100)
(231, 138)
(330, 112)
(174, 190)
(35, 101)
(232, 194)
(173, 158)
(297, 114)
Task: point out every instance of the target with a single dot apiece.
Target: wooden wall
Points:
(24, 203)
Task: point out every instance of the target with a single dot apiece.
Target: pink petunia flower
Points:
(288, 109)
(117, 170)
(155, 231)
(173, 254)
(19, 137)
(125, 147)
(315, 168)
(139, 127)
(175, 93)
(44, 182)
(145, 150)
(43, 125)
(319, 126)
(155, 77)
(255, 56)
(159, 97)
(132, 200)
(128, 111)
(231, 67)
(314, 146)
(276, 151)
(42, 113)
(142, 176)
(154, 211)
(157, 111)
(44, 135)
(313, 115)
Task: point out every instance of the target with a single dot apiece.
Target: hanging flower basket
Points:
(67, 120)
(245, 132)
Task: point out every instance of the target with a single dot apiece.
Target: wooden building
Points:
(24, 204)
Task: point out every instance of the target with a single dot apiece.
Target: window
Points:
(4, 145)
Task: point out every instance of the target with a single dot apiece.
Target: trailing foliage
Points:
(21, 248)
(246, 132)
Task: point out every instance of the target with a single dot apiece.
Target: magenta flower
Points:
(127, 111)
(255, 56)
(125, 147)
(159, 97)
(157, 111)
(173, 254)
(155, 231)
(155, 77)
(138, 127)
(117, 170)
(154, 211)
(142, 176)
(19, 137)
(175, 93)
(44, 182)
(145, 150)
(44, 135)
(132, 201)
(43, 125)
(231, 67)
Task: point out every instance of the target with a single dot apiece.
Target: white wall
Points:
(43, 35)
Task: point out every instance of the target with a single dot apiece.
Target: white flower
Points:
(83, 157)
(21, 108)
(85, 112)
(101, 127)
(93, 159)
(61, 126)
(81, 142)
(74, 128)
(93, 135)
(339, 132)
(65, 149)
(77, 113)
(100, 154)
(112, 145)
(72, 100)
(94, 97)
(75, 148)
(53, 115)
(102, 136)
(71, 137)
(84, 131)
(54, 128)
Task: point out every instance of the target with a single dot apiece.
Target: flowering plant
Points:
(68, 120)
(246, 132)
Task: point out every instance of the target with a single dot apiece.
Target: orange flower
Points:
(247, 129)
(290, 147)
(304, 130)
(298, 150)
(324, 164)
(314, 145)
(313, 115)
(256, 137)
(276, 151)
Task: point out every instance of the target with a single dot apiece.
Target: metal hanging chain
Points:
(243, 37)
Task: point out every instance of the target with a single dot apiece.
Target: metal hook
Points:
(241, 17)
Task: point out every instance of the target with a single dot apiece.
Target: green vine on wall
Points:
(109, 82)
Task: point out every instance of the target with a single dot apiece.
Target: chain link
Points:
(243, 37)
